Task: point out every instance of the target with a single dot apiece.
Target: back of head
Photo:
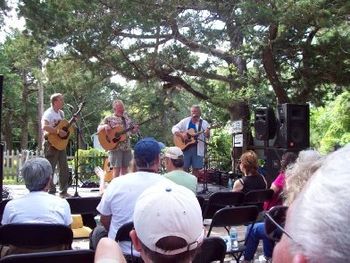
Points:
(168, 222)
(36, 173)
(146, 153)
(298, 173)
(175, 155)
(319, 217)
(249, 160)
(287, 159)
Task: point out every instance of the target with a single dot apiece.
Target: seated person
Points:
(277, 185)
(174, 162)
(168, 226)
(317, 221)
(38, 206)
(251, 180)
(296, 177)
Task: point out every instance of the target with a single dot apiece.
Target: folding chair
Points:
(201, 201)
(123, 232)
(86, 206)
(66, 256)
(36, 237)
(235, 216)
(212, 249)
(258, 197)
(220, 200)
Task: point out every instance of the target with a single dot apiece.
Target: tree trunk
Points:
(24, 117)
(39, 138)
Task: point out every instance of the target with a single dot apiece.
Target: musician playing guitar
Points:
(120, 156)
(49, 122)
(194, 152)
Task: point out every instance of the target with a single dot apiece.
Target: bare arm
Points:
(108, 249)
(238, 186)
(106, 221)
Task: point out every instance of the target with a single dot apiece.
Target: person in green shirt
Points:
(174, 161)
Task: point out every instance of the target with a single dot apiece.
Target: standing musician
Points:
(194, 153)
(120, 156)
(50, 119)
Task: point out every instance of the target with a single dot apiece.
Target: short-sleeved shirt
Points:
(115, 121)
(52, 117)
(183, 178)
(119, 200)
(37, 207)
(276, 198)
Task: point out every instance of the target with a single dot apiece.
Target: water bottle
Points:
(229, 184)
(233, 238)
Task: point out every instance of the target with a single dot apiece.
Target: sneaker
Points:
(65, 195)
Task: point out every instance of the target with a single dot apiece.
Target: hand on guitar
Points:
(62, 133)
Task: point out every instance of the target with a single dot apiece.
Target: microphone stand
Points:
(76, 162)
(205, 171)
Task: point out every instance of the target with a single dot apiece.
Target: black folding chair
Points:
(86, 206)
(235, 216)
(123, 232)
(201, 201)
(31, 237)
(220, 200)
(66, 256)
(258, 197)
(212, 249)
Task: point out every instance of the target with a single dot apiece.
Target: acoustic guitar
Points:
(109, 140)
(191, 138)
(60, 143)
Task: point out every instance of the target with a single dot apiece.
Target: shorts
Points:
(192, 159)
(119, 158)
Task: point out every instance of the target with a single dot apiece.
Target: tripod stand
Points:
(205, 168)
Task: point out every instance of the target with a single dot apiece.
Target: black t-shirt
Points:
(253, 182)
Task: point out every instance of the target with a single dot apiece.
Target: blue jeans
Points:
(257, 233)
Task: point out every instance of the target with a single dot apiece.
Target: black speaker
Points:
(294, 126)
(265, 123)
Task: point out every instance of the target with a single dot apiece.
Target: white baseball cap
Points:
(165, 210)
(173, 152)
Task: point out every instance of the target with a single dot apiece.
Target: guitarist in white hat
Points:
(49, 123)
(189, 135)
(115, 130)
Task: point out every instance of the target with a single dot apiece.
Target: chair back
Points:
(66, 256)
(258, 197)
(212, 249)
(123, 232)
(234, 216)
(86, 206)
(2, 207)
(36, 236)
(201, 201)
(220, 200)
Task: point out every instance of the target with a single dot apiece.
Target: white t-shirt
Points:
(37, 207)
(52, 117)
(119, 201)
(182, 126)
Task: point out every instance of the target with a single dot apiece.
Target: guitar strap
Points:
(124, 124)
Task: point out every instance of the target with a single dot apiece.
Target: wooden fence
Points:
(13, 161)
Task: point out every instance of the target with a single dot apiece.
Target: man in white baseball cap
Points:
(168, 224)
(174, 162)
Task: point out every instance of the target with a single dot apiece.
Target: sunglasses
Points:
(275, 219)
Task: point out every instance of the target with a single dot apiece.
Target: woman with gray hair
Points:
(37, 206)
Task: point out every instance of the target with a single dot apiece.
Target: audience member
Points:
(37, 206)
(168, 226)
(317, 221)
(251, 180)
(118, 201)
(278, 184)
(296, 177)
(108, 251)
(174, 161)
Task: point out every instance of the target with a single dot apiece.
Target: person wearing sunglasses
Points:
(318, 220)
(296, 177)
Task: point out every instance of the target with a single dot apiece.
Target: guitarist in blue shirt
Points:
(190, 135)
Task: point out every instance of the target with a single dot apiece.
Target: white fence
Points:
(13, 161)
